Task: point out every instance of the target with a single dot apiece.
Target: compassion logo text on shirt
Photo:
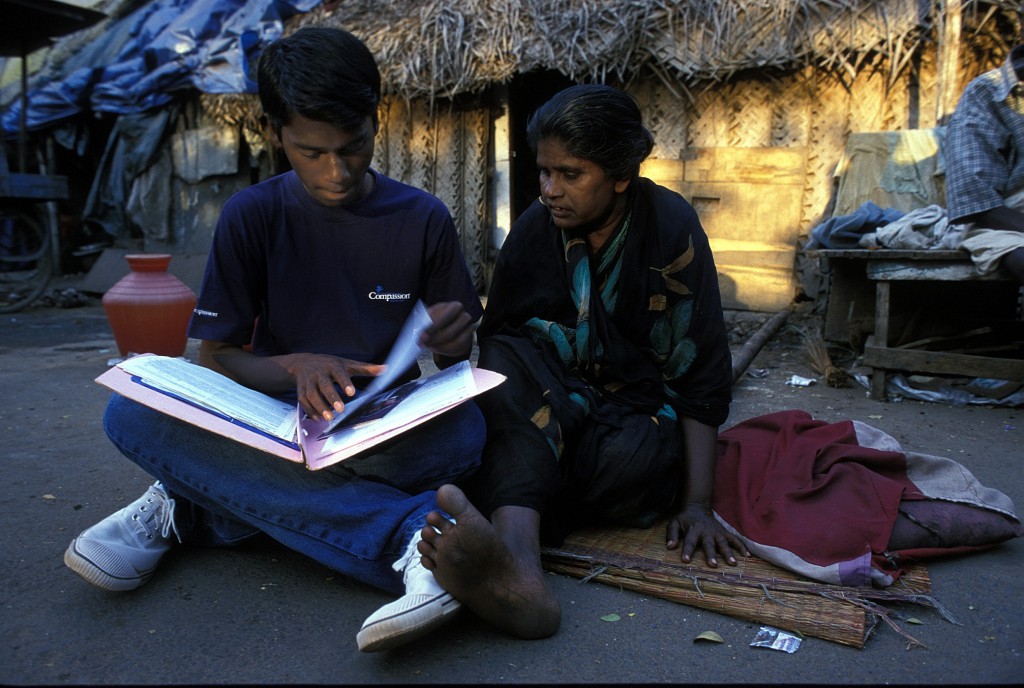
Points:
(380, 295)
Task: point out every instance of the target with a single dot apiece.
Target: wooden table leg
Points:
(881, 336)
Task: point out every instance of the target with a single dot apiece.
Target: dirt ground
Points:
(267, 615)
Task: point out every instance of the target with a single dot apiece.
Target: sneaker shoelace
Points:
(417, 579)
(164, 510)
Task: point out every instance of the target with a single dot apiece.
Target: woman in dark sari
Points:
(605, 315)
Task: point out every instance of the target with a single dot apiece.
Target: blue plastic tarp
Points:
(139, 61)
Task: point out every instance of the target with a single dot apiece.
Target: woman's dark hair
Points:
(597, 123)
(323, 74)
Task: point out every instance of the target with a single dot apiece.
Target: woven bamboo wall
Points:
(444, 151)
(809, 109)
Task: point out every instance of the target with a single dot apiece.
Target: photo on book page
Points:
(409, 401)
(381, 406)
(404, 353)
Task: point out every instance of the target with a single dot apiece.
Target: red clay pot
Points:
(149, 308)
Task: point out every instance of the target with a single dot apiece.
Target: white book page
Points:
(215, 392)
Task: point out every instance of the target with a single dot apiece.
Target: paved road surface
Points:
(266, 615)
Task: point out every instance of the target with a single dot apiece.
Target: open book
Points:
(209, 400)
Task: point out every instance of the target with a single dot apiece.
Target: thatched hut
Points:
(751, 103)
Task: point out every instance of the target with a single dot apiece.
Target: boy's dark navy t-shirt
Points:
(291, 275)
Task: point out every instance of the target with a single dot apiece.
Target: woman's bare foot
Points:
(499, 578)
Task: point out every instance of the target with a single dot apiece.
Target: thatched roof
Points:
(448, 47)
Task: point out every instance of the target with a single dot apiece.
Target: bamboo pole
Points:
(948, 72)
(754, 344)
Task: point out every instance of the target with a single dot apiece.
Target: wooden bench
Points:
(888, 294)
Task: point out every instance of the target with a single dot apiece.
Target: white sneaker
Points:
(122, 551)
(424, 607)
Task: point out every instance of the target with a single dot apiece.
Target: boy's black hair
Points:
(597, 123)
(323, 74)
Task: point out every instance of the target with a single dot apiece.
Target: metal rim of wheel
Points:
(26, 264)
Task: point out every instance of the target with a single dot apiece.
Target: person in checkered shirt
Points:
(984, 153)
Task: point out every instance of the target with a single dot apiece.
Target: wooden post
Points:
(947, 91)
(883, 296)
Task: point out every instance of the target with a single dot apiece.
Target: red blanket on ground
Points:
(821, 498)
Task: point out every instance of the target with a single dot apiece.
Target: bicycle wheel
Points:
(26, 264)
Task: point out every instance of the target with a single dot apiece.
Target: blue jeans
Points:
(356, 517)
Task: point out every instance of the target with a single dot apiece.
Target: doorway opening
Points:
(526, 93)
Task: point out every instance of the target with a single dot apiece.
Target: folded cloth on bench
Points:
(822, 499)
(922, 228)
(845, 231)
(988, 246)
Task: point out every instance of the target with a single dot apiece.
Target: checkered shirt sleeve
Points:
(984, 150)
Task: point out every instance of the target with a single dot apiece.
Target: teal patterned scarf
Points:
(581, 348)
